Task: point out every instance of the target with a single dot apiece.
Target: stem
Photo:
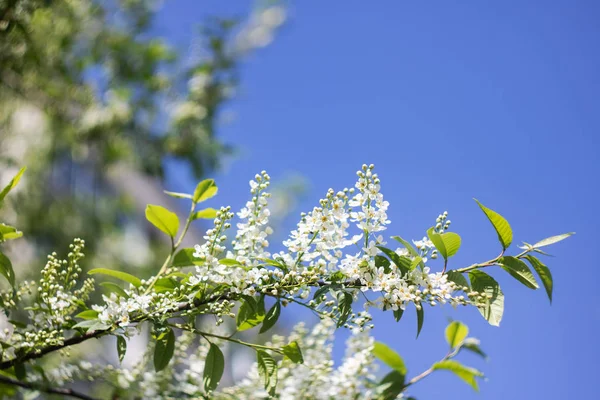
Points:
(45, 389)
(230, 339)
(428, 371)
(482, 265)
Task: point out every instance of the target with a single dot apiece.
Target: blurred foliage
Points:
(88, 96)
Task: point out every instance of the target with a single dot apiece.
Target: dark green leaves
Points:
(403, 263)
(544, 274)
(493, 306)
(271, 317)
(163, 352)
(458, 278)
(420, 319)
(519, 270)
(446, 243)
(213, 368)
(163, 219)
(185, 258)
(465, 373)
(267, 369)
(6, 269)
(11, 185)
(500, 224)
(389, 357)
(250, 314)
(345, 306)
(293, 352)
(393, 384)
(456, 333)
(204, 190)
(121, 347)
(124, 276)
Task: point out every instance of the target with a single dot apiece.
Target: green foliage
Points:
(389, 357)
(420, 319)
(543, 272)
(271, 317)
(456, 333)
(293, 352)
(467, 374)
(163, 351)
(204, 191)
(6, 269)
(446, 243)
(122, 347)
(124, 276)
(250, 314)
(500, 224)
(493, 309)
(519, 270)
(267, 369)
(214, 365)
(163, 219)
(12, 184)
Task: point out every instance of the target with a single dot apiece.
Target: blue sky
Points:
(450, 101)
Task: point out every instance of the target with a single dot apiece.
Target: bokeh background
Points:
(450, 101)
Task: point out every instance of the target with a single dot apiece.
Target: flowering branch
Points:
(45, 389)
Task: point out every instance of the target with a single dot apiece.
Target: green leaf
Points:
(121, 347)
(411, 250)
(447, 243)
(389, 357)
(403, 263)
(543, 272)
(6, 269)
(293, 352)
(500, 225)
(456, 333)
(420, 319)
(214, 365)
(207, 213)
(398, 314)
(393, 384)
(8, 232)
(472, 345)
(205, 190)
(87, 314)
(465, 373)
(458, 278)
(91, 325)
(230, 262)
(249, 314)
(178, 195)
(124, 276)
(381, 261)
(163, 219)
(20, 371)
(345, 305)
(163, 352)
(519, 270)
(483, 283)
(185, 258)
(552, 240)
(112, 287)
(271, 317)
(11, 185)
(267, 369)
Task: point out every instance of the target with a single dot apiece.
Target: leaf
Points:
(121, 347)
(267, 369)
(458, 278)
(87, 314)
(483, 283)
(552, 240)
(398, 314)
(403, 263)
(91, 325)
(6, 269)
(293, 352)
(381, 261)
(249, 314)
(447, 243)
(11, 185)
(519, 270)
(214, 365)
(205, 190)
(420, 319)
(271, 318)
(178, 195)
(230, 262)
(345, 305)
(472, 345)
(112, 287)
(394, 385)
(456, 333)
(411, 250)
(500, 225)
(185, 258)
(389, 357)
(20, 371)
(8, 232)
(163, 352)
(207, 213)
(544, 274)
(163, 219)
(124, 276)
(465, 373)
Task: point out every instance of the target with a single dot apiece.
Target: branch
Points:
(50, 390)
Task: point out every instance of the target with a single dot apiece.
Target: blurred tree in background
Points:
(93, 104)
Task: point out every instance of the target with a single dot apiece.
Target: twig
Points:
(45, 389)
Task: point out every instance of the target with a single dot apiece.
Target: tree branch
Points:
(50, 390)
